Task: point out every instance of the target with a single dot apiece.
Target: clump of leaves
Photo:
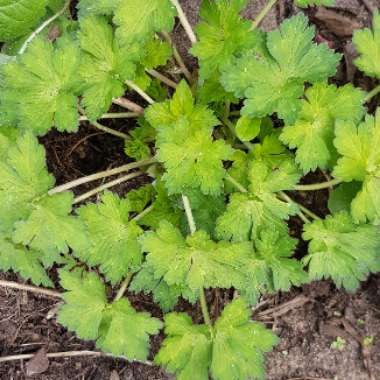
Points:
(223, 177)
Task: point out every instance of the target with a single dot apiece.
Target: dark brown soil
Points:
(308, 320)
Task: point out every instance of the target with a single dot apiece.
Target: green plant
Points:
(216, 213)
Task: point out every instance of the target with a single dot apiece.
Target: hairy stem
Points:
(29, 288)
(318, 186)
(106, 186)
(189, 214)
(238, 186)
(262, 14)
(177, 56)
(184, 21)
(202, 296)
(372, 94)
(67, 354)
(162, 78)
(118, 115)
(129, 105)
(143, 213)
(305, 210)
(43, 26)
(103, 174)
(141, 92)
(123, 287)
(110, 131)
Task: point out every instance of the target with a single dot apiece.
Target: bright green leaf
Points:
(247, 129)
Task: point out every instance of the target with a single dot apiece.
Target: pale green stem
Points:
(162, 78)
(184, 21)
(106, 186)
(318, 186)
(262, 14)
(129, 105)
(123, 287)
(143, 213)
(42, 27)
(118, 115)
(202, 296)
(240, 187)
(140, 91)
(177, 56)
(231, 127)
(109, 130)
(372, 93)
(101, 175)
(302, 208)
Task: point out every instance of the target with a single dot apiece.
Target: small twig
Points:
(118, 115)
(106, 186)
(162, 78)
(42, 27)
(68, 354)
(123, 287)
(263, 14)
(177, 56)
(184, 21)
(129, 105)
(141, 92)
(101, 175)
(30, 288)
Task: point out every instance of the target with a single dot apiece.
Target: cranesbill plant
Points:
(224, 171)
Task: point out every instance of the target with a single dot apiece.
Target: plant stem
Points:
(318, 186)
(141, 92)
(143, 213)
(240, 187)
(305, 210)
(162, 78)
(231, 127)
(205, 313)
(106, 186)
(109, 130)
(29, 288)
(189, 214)
(123, 287)
(372, 93)
(177, 56)
(42, 27)
(184, 21)
(100, 175)
(129, 105)
(262, 14)
(118, 115)
(202, 296)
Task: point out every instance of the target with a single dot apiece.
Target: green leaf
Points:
(8, 138)
(112, 245)
(367, 44)
(313, 132)
(247, 129)
(239, 344)
(99, 7)
(19, 17)
(23, 261)
(47, 77)
(50, 228)
(198, 163)
(222, 35)
(194, 262)
(163, 208)
(105, 65)
(247, 213)
(139, 198)
(125, 332)
(186, 351)
(23, 178)
(138, 20)
(274, 81)
(360, 162)
(163, 294)
(309, 3)
(156, 53)
(341, 197)
(117, 327)
(234, 352)
(137, 147)
(85, 300)
(342, 250)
